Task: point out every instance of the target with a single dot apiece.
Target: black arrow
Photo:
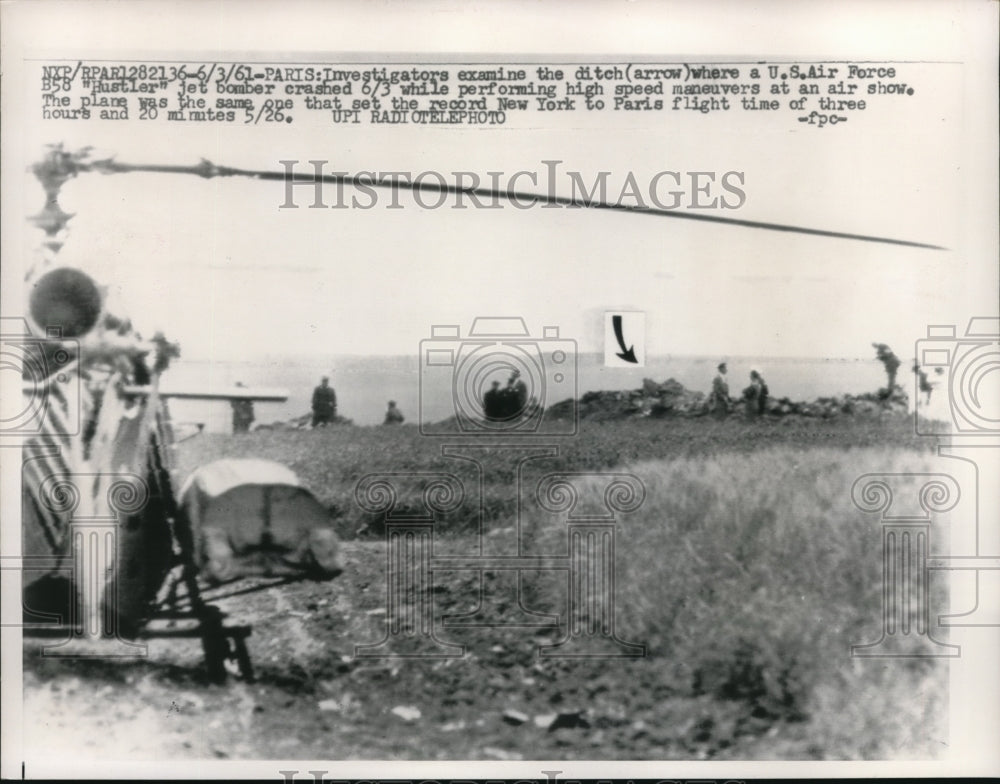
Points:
(628, 354)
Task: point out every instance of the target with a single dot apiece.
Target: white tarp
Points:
(254, 517)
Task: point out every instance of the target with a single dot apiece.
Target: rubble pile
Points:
(673, 399)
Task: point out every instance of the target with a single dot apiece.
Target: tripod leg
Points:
(214, 644)
(243, 658)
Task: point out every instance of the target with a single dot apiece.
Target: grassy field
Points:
(755, 575)
(746, 572)
(331, 461)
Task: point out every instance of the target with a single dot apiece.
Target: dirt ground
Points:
(314, 699)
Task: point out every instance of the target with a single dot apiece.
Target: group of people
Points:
(501, 404)
(892, 363)
(755, 395)
(324, 407)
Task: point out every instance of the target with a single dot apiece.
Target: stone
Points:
(406, 712)
(569, 720)
(545, 720)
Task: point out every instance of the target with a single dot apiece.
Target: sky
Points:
(219, 266)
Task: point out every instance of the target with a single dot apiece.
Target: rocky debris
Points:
(672, 399)
(857, 405)
(406, 712)
(544, 721)
(569, 720)
(514, 717)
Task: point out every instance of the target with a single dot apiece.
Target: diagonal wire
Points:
(208, 170)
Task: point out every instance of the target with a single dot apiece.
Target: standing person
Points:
(324, 403)
(718, 401)
(393, 416)
(758, 396)
(492, 402)
(518, 397)
(890, 362)
(243, 415)
(925, 383)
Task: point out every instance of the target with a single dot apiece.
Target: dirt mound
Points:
(303, 422)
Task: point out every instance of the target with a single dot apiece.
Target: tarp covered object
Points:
(254, 517)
